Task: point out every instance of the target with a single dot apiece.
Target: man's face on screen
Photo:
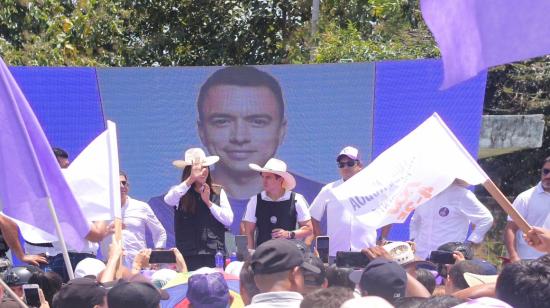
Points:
(242, 125)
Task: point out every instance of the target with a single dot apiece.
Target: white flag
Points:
(94, 177)
(409, 173)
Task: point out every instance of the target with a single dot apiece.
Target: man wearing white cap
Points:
(276, 210)
(345, 232)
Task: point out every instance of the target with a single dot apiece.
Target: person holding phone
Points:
(202, 210)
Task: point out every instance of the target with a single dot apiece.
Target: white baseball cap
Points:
(349, 151)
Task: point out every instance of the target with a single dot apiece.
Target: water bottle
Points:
(219, 260)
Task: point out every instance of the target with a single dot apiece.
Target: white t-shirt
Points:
(534, 205)
(446, 218)
(346, 233)
(302, 211)
(136, 216)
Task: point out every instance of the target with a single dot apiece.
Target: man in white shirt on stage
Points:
(345, 232)
(447, 218)
(136, 216)
(534, 205)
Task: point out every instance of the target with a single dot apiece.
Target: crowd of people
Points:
(283, 268)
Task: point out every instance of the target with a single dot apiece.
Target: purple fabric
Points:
(473, 35)
(25, 158)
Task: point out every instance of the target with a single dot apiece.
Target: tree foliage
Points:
(147, 32)
(361, 30)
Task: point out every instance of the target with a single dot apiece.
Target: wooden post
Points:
(506, 206)
(118, 238)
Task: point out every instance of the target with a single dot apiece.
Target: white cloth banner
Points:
(94, 177)
(409, 173)
(94, 180)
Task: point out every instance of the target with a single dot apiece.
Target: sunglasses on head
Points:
(349, 163)
(545, 171)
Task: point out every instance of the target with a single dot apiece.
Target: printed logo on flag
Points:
(412, 195)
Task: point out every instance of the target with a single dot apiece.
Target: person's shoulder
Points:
(526, 194)
(457, 192)
(299, 197)
(455, 188)
(137, 203)
(333, 184)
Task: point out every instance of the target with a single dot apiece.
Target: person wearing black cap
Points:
(277, 265)
(81, 293)
(314, 281)
(382, 277)
(136, 293)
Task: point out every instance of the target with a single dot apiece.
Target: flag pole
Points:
(493, 190)
(114, 186)
(12, 294)
(118, 238)
(506, 206)
(64, 250)
(46, 190)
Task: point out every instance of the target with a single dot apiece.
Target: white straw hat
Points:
(278, 167)
(195, 154)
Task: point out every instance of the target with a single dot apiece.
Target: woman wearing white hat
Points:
(202, 211)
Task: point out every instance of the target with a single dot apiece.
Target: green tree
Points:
(52, 32)
(147, 32)
(362, 30)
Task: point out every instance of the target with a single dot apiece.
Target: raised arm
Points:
(11, 236)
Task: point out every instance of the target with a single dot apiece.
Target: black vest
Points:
(274, 214)
(199, 233)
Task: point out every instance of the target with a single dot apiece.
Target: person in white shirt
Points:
(276, 210)
(345, 232)
(447, 218)
(534, 205)
(203, 213)
(136, 216)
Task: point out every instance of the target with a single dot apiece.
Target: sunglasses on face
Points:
(349, 163)
(545, 171)
(123, 183)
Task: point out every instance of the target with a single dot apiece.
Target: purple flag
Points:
(30, 174)
(476, 34)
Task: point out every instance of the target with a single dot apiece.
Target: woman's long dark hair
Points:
(189, 201)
